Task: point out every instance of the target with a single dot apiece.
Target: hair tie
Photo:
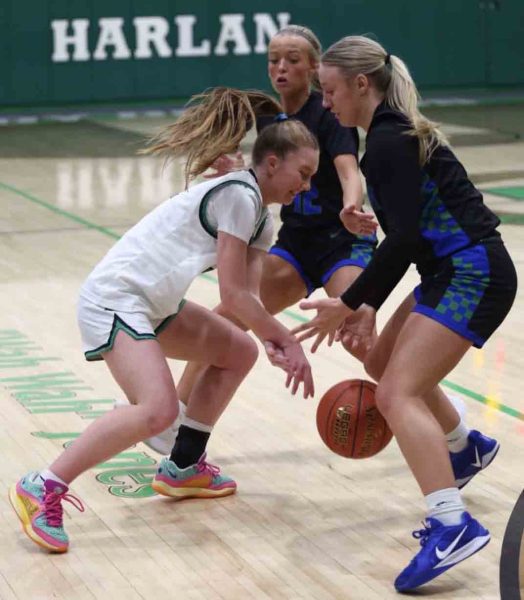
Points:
(387, 60)
(281, 117)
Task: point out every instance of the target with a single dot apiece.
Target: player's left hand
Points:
(331, 313)
(357, 221)
(276, 356)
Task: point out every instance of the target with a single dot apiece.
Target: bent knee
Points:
(386, 399)
(247, 353)
(373, 364)
(239, 354)
(158, 419)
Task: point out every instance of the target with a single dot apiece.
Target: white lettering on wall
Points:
(151, 31)
(153, 37)
(111, 34)
(62, 41)
(266, 29)
(186, 45)
(232, 31)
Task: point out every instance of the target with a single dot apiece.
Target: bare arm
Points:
(349, 176)
(254, 264)
(238, 274)
(237, 297)
(351, 215)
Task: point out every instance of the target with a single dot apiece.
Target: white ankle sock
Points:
(445, 505)
(458, 403)
(458, 438)
(196, 424)
(181, 410)
(47, 474)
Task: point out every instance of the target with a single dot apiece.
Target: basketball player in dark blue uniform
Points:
(433, 217)
(315, 247)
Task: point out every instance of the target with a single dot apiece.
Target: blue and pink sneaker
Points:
(442, 547)
(202, 480)
(38, 506)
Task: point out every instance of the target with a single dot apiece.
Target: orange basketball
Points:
(349, 422)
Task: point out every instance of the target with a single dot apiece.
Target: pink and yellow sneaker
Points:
(38, 506)
(202, 480)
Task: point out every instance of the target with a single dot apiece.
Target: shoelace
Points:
(207, 468)
(53, 507)
(422, 534)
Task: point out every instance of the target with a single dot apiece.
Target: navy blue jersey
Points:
(427, 212)
(320, 206)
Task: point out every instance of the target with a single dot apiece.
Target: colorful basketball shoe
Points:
(202, 480)
(442, 548)
(477, 455)
(38, 506)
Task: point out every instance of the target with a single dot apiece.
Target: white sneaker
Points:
(120, 402)
(163, 442)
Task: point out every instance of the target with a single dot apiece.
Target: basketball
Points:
(349, 422)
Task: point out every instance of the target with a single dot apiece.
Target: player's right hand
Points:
(358, 329)
(226, 163)
(357, 221)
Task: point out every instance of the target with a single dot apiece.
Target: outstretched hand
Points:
(358, 222)
(293, 361)
(331, 313)
(226, 163)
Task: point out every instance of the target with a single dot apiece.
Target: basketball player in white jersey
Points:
(132, 312)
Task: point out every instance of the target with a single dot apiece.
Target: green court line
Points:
(512, 192)
(512, 412)
(61, 212)
(511, 219)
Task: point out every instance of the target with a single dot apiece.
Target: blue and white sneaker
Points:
(442, 548)
(477, 455)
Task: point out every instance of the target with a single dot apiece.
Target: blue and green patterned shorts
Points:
(471, 291)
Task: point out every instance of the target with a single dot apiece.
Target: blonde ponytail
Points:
(402, 95)
(391, 77)
(214, 123)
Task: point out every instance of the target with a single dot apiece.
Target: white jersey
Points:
(151, 267)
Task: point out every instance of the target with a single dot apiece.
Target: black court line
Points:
(510, 555)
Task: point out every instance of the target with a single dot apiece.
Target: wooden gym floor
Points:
(305, 524)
